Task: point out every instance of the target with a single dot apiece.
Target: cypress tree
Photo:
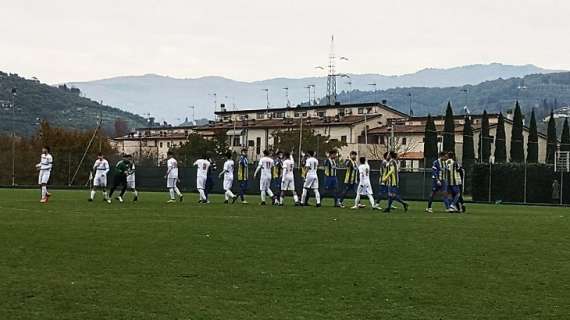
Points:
(532, 146)
(517, 138)
(468, 147)
(565, 138)
(551, 140)
(449, 130)
(500, 141)
(430, 142)
(484, 139)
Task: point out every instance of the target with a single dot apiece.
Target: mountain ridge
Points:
(167, 98)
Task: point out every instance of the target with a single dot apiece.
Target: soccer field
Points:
(71, 259)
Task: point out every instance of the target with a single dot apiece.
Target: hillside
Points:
(147, 93)
(540, 91)
(62, 107)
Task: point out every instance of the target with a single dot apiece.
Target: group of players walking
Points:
(277, 179)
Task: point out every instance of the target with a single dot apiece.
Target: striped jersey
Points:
(330, 167)
(383, 168)
(351, 172)
(243, 168)
(277, 170)
(438, 170)
(453, 173)
(391, 177)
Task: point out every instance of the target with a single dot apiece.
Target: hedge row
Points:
(508, 183)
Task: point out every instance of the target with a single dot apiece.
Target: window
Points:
(258, 145)
(340, 112)
(260, 115)
(161, 144)
(168, 144)
(236, 141)
(250, 143)
(226, 118)
(360, 110)
(368, 110)
(404, 141)
(382, 140)
(321, 114)
(343, 139)
(279, 114)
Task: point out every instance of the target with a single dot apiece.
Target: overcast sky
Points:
(63, 40)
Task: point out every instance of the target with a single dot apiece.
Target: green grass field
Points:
(72, 259)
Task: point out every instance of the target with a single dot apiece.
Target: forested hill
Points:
(60, 106)
(540, 91)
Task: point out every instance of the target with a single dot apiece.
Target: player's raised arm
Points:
(259, 165)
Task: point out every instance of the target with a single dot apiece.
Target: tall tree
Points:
(517, 138)
(449, 130)
(532, 144)
(468, 147)
(551, 140)
(484, 139)
(500, 141)
(565, 138)
(430, 142)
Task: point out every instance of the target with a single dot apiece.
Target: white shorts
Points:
(311, 182)
(131, 183)
(43, 176)
(288, 184)
(201, 183)
(171, 182)
(100, 180)
(365, 189)
(228, 183)
(264, 183)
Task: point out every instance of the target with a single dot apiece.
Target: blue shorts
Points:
(349, 187)
(440, 188)
(243, 184)
(394, 190)
(383, 189)
(276, 184)
(454, 189)
(331, 183)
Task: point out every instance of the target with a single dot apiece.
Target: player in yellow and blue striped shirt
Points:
(392, 180)
(350, 177)
(243, 174)
(331, 181)
(277, 172)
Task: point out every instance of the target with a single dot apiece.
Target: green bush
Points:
(508, 182)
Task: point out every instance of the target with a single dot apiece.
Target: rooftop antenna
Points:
(331, 79)
(287, 96)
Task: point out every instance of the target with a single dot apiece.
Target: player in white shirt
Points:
(288, 179)
(99, 171)
(228, 173)
(311, 179)
(44, 168)
(131, 181)
(201, 177)
(172, 178)
(364, 185)
(265, 165)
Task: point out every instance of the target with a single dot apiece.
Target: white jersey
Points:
(203, 166)
(288, 166)
(172, 166)
(229, 169)
(46, 162)
(131, 175)
(364, 174)
(265, 164)
(312, 164)
(101, 167)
